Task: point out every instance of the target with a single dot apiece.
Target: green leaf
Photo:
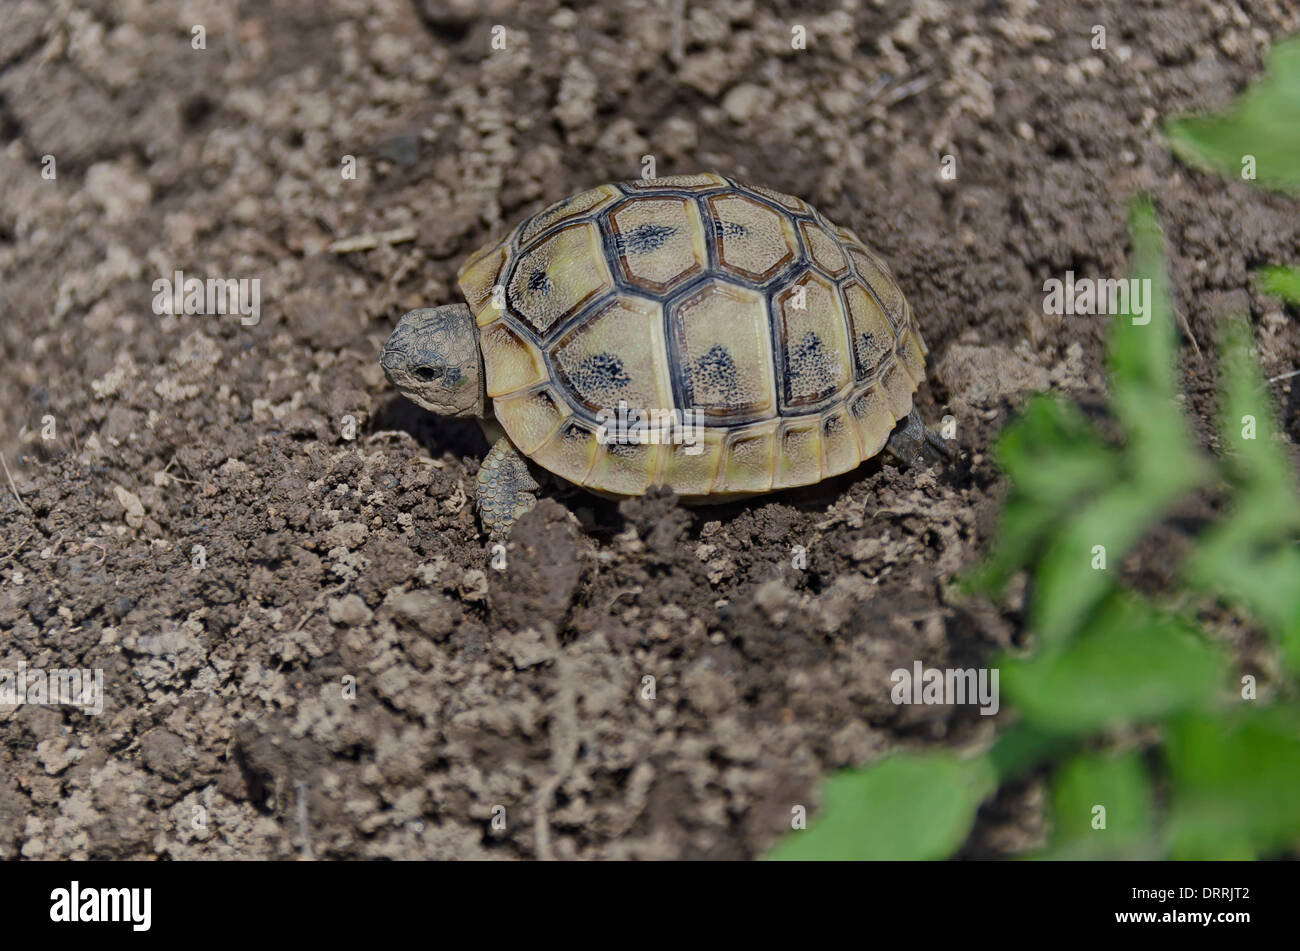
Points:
(1264, 122)
(1024, 747)
(1159, 463)
(1283, 282)
(1068, 587)
(1259, 462)
(1143, 360)
(1102, 788)
(1234, 784)
(1251, 557)
(1071, 493)
(1131, 665)
(908, 806)
(1233, 562)
(1142, 348)
(1053, 456)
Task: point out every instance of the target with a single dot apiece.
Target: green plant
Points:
(1258, 139)
(1283, 282)
(1124, 702)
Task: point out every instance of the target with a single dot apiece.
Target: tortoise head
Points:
(433, 358)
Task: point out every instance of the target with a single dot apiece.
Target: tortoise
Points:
(785, 337)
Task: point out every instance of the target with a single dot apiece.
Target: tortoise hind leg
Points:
(506, 489)
(913, 443)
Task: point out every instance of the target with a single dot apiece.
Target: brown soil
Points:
(330, 562)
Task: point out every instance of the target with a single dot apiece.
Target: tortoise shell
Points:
(787, 334)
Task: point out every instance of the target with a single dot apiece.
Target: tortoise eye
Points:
(427, 374)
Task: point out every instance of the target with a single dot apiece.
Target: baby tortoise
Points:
(787, 335)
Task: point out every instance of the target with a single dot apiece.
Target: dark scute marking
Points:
(733, 229)
(859, 406)
(809, 358)
(538, 281)
(832, 425)
(645, 237)
(870, 353)
(716, 371)
(600, 373)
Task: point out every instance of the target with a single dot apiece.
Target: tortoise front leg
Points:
(506, 489)
(914, 443)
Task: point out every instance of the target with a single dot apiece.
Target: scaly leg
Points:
(506, 490)
(913, 443)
